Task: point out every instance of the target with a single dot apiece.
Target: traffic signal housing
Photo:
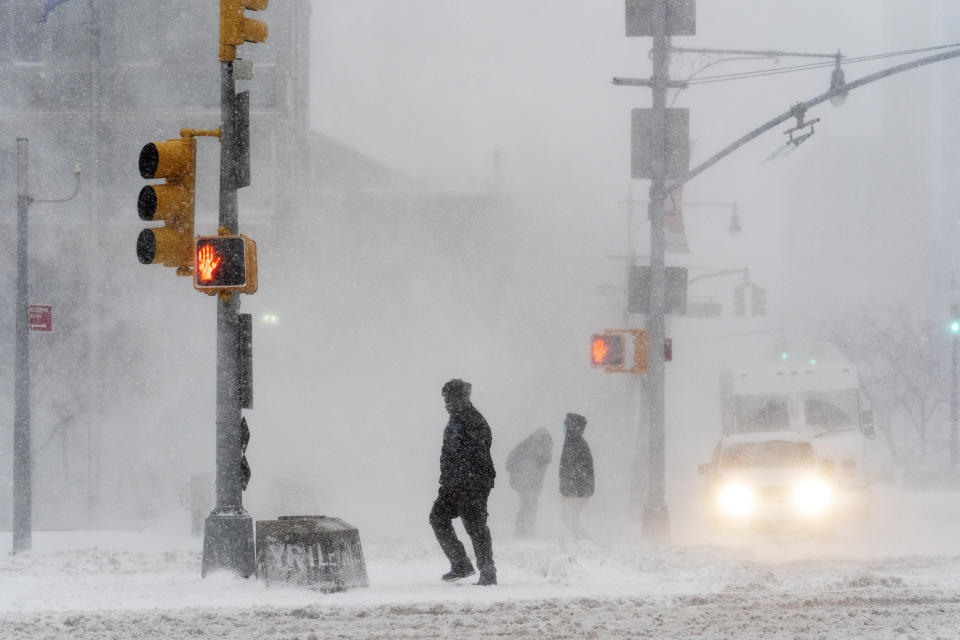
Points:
(236, 28)
(758, 301)
(225, 263)
(173, 203)
(739, 300)
(606, 350)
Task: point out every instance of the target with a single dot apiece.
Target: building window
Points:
(25, 33)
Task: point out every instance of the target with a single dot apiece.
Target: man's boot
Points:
(458, 572)
(487, 578)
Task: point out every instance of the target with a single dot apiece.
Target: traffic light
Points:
(758, 301)
(236, 28)
(606, 350)
(225, 263)
(955, 318)
(173, 203)
(739, 300)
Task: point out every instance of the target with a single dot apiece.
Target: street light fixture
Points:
(836, 82)
(735, 227)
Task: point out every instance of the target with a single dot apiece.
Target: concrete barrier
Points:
(317, 552)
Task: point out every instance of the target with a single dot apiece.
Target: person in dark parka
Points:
(466, 478)
(527, 464)
(576, 474)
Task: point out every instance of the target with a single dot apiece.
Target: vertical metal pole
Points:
(954, 402)
(228, 532)
(95, 416)
(638, 482)
(22, 459)
(656, 518)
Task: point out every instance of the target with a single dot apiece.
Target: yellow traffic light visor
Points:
(165, 202)
(165, 246)
(170, 159)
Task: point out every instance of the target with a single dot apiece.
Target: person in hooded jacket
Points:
(466, 478)
(527, 464)
(576, 474)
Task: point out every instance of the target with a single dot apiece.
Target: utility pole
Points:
(94, 273)
(22, 452)
(656, 517)
(22, 460)
(228, 541)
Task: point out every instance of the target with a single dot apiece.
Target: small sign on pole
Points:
(41, 318)
(677, 143)
(681, 17)
(675, 290)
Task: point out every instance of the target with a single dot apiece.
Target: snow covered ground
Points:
(897, 578)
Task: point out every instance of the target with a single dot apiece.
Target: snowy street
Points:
(901, 579)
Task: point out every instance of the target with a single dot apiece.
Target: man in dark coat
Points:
(527, 464)
(576, 474)
(466, 478)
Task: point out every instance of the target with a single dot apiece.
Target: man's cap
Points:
(575, 420)
(457, 388)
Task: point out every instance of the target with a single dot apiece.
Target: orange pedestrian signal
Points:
(606, 350)
(225, 263)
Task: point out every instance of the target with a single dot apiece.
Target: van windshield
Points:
(776, 453)
(762, 412)
(832, 409)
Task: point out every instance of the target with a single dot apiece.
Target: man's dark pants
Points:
(471, 508)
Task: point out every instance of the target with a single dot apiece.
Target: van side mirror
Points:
(866, 422)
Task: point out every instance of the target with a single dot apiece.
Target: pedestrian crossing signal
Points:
(225, 263)
(606, 350)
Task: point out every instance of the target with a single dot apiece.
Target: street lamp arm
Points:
(783, 117)
(727, 272)
(76, 189)
(769, 53)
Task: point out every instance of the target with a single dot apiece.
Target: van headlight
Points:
(812, 496)
(736, 500)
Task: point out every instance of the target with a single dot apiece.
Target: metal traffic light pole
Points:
(22, 460)
(22, 455)
(656, 516)
(228, 541)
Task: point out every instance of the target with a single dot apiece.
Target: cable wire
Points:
(815, 65)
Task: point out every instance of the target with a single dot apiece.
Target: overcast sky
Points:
(433, 87)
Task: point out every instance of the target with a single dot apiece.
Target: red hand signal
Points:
(600, 350)
(207, 262)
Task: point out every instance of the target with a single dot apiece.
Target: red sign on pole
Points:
(41, 317)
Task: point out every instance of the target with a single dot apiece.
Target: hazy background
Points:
(847, 220)
(372, 318)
